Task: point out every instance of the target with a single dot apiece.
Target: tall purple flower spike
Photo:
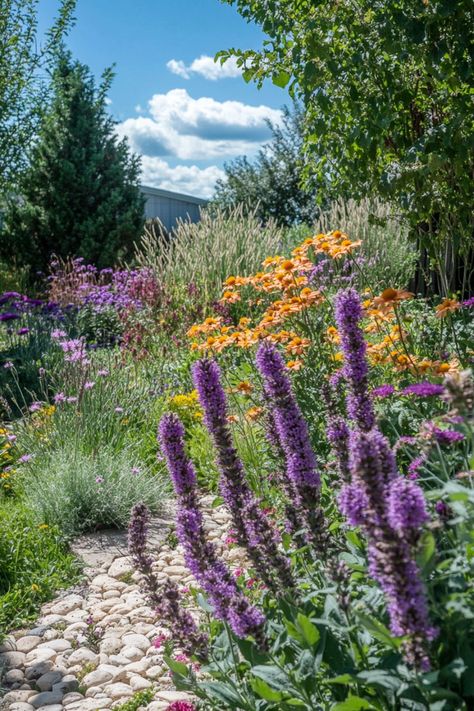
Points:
(254, 531)
(228, 601)
(165, 599)
(292, 431)
(389, 509)
(354, 348)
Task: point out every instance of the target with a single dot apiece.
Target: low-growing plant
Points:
(81, 491)
(138, 700)
(34, 563)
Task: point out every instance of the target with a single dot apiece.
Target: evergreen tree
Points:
(274, 179)
(80, 194)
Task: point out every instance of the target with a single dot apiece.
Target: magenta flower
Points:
(118, 410)
(8, 365)
(181, 706)
(59, 397)
(383, 391)
(23, 331)
(89, 384)
(99, 479)
(35, 406)
(25, 458)
(103, 373)
(424, 389)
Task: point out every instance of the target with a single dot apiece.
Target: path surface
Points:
(53, 667)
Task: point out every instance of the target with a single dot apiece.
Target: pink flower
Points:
(103, 373)
(136, 470)
(118, 409)
(181, 706)
(89, 384)
(159, 641)
(99, 479)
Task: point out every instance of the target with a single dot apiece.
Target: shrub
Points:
(34, 563)
(80, 491)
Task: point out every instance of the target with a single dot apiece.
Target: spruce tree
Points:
(80, 194)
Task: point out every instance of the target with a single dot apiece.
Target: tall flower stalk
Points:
(293, 435)
(254, 531)
(228, 601)
(389, 509)
(164, 599)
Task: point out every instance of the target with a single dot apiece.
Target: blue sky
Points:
(180, 111)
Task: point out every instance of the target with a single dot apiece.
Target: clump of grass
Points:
(81, 491)
(34, 564)
(205, 253)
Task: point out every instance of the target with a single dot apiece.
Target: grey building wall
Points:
(169, 206)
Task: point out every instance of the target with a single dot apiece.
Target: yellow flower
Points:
(254, 413)
(35, 587)
(294, 364)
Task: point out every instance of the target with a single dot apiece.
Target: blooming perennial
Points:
(228, 601)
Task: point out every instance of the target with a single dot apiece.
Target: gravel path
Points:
(52, 666)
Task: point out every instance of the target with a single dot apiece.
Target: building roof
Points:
(172, 195)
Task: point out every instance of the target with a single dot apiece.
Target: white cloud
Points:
(206, 67)
(198, 129)
(189, 179)
(107, 100)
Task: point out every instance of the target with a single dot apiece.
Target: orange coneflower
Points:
(446, 307)
(391, 296)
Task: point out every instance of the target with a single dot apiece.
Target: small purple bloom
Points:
(415, 466)
(118, 409)
(89, 384)
(8, 365)
(446, 436)
(22, 331)
(25, 458)
(9, 317)
(59, 397)
(103, 373)
(71, 399)
(35, 406)
(136, 470)
(406, 506)
(468, 303)
(99, 479)
(383, 391)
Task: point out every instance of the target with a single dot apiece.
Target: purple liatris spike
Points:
(254, 531)
(348, 316)
(165, 599)
(228, 601)
(292, 431)
(406, 507)
(337, 430)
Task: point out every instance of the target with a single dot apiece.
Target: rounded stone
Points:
(21, 706)
(138, 683)
(14, 676)
(136, 640)
(110, 645)
(82, 656)
(97, 677)
(37, 669)
(26, 644)
(46, 698)
(47, 681)
(133, 654)
(118, 690)
(59, 645)
(72, 697)
(67, 604)
(12, 660)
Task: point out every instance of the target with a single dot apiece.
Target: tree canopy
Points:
(80, 194)
(388, 90)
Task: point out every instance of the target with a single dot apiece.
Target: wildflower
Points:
(253, 530)
(9, 317)
(354, 348)
(35, 587)
(23, 331)
(383, 391)
(406, 506)
(158, 641)
(245, 387)
(57, 334)
(446, 307)
(446, 436)
(25, 458)
(103, 373)
(89, 384)
(99, 479)
(415, 466)
(294, 364)
(8, 365)
(201, 556)
(59, 397)
(424, 389)
(390, 296)
(165, 600)
(136, 470)
(118, 409)
(71, 399)
(468, 303)
(293, 435)
(35, 406)
(254, 413)
(181, 706)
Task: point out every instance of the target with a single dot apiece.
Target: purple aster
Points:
(89, 384)
(35, 406)
(99, 479)
(25, 458)
(103, 373)
(469, 302)
(424, 389)
(415, 465)
(445, 436)
(59, 397)
(383, 391)
(354, 348)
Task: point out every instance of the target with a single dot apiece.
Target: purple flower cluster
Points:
(337, 430)
(424, 389)
(228, 601)
(292, 432)
(383, 391)
(165, 599)
(254, 531)
(389, 509)
(354, 347)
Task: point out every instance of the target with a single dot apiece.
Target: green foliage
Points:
(388, 94)
(80, 194)
(34, 563)
(273, 180)
(137, 701)
(23, 92)
(79, 492)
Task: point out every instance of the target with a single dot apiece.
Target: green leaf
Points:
(378, 631)
(263, 690)
(309, 631)
(281, 78)
(223, 692)
(426, 551)
(272, 675)
(176, 667)
(352, 703)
